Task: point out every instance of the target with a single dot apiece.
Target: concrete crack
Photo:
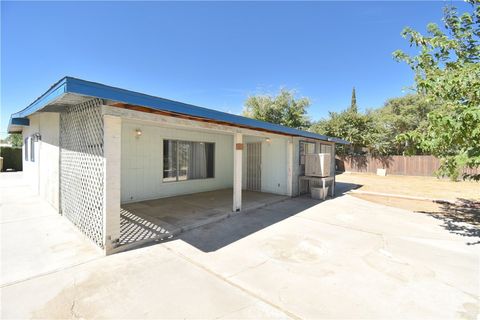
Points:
(233, 311)
(233, 284)
(72, 307)
(249, 268)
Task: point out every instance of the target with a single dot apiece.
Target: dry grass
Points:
(461, 215)
(428, 187)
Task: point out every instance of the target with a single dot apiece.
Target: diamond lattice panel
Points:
(82, 168)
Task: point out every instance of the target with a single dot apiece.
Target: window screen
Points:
(187, 160)
(305, 148)
(326, 148)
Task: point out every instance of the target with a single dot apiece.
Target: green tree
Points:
(447, 72)
(353, 103)
(352, 126)
(15, 139)
(284, 109)
(395, 120)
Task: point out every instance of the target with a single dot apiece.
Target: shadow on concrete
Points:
(342, 188)
(157, 219)
(461, 218)
(219, 234)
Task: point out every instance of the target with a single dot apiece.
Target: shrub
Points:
(12, 158)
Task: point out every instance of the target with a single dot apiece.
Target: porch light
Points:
(138, 132)
(268, 140)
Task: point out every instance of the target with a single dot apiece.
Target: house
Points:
(90, 148)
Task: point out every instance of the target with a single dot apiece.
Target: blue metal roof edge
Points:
(88, 88)
(55, 91)
(20, 121)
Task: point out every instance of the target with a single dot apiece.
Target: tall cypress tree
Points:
(353, 104)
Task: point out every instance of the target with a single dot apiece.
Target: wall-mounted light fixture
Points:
(138, 132)
(268, 140)
(37, 137)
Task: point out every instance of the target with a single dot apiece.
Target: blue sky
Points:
(212, 54)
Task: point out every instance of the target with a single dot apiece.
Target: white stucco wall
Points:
(43, 173)
(31, 169)
(142, 162)
(274, 164)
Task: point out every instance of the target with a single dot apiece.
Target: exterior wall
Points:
(274, 165)
(31, 169)
(142, 161)
(43, 173)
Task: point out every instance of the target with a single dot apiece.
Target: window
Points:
(32, 149)
(305, 148)
(26, 145)
(187, 160)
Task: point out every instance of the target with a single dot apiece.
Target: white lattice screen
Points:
(82, 168)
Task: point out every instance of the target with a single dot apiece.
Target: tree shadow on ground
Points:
(461, 218)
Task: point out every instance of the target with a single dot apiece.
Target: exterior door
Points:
(254, 166)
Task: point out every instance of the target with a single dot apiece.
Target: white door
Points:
(254, 166)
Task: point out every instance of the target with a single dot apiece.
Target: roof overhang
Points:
(16, 124)
(70, 90)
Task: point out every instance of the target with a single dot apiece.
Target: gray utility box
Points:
(317, 164)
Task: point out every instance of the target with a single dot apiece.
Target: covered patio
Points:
(163, 218)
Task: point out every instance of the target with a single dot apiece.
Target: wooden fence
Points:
(397, 165)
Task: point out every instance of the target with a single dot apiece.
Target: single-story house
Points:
(90, 148)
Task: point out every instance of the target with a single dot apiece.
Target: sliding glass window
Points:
(187, 160)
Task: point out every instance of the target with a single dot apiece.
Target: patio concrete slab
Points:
(160, 218)
(35, 239)
(148, 283)
(343, 258)
(299, 258)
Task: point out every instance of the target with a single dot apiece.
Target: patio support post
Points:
(290, 167)
(112, 136)
(237, 171)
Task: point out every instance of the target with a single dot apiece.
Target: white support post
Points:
(290, 167)
(332, 168)
(112, 136)
(237, 171)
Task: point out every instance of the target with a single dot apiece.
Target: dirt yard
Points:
(428, 187)
(462, 198)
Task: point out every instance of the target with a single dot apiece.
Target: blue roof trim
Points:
(55, 91)
(93, 89)
(20, 122)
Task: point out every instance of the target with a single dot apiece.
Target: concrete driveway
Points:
(343, 258)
